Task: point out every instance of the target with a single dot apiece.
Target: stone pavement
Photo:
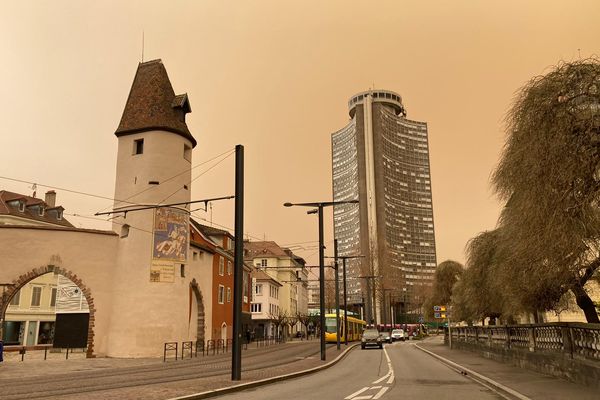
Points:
(529, 383)
(174, 378)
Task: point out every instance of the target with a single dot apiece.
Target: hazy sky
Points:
(276, 76)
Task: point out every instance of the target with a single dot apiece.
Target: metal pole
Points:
(368, 302)
(345, 305)
(322, 282)
(238, 275)
(337, 295)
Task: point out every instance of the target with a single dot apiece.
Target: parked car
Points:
(371, 337)
(398, 334)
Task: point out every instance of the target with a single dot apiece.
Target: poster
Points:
(170, 235)
(170, 243)
(162, 271)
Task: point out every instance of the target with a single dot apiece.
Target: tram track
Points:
(94, 381)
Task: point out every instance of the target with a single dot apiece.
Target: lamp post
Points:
(320, 206)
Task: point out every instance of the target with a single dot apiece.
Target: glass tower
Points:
(382, 158)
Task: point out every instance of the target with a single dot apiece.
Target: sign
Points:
(421, 319)
(162, 271)
(439, 308)
(441, 315)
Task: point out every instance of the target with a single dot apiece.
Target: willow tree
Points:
(445, 277)
(549, 175)
(479, 293)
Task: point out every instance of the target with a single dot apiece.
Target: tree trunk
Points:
(585, 303)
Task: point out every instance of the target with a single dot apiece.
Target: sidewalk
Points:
(529, 383)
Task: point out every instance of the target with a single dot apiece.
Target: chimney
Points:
(50, 198)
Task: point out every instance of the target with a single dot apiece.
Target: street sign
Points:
(441, 315)
(439, 308)
(421, 319)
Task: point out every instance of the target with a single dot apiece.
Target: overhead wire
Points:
(202, 173)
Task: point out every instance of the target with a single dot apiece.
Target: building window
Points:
(228, 267)
(36, 296)
(229, 295)
(274, 292)
(16, 299)
(221, 298)
(187, 152)
(221, 266)
(256, 307)
(53, 298)
(258, 289)
(138, 146)
(263, 263)
(182, 270)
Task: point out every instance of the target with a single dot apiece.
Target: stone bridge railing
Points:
(573, 339)
(567, 349)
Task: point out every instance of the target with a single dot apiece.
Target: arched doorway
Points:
(36, 290)
(200, 327)
(224, 331)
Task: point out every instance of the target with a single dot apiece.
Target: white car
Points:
(398, 334)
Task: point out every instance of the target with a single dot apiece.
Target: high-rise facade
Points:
(382, 158)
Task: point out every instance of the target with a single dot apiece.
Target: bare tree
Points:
(304, 320)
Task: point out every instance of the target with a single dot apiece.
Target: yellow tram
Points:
(355, 328)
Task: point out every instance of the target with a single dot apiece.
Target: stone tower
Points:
(150, 291)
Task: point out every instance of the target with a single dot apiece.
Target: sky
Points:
(275, 76)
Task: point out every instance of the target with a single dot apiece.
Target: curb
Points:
(481, 379)
(238, 388)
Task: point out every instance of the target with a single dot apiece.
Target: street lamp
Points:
(320, 206)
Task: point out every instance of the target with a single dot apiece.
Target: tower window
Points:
(187, 152)
(138, 146)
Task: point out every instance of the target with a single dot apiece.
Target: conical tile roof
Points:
(153, 105)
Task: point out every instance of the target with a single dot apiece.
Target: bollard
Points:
(22, 351)
(67, 354)
(45, 352)
(1, 351)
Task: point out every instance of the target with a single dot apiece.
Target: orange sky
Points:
(275, 76)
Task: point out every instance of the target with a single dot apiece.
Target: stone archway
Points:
(22, 280)
(200, 335)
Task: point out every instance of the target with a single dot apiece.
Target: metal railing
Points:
(577, 340)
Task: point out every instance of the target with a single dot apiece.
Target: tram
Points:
(355, 328)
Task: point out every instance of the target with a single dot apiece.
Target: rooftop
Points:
(153, 105)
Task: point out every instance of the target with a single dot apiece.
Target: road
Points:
(399, 371)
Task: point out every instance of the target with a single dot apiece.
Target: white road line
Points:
(381, 392)
(389, 382)
(382, 378)
(357, 393)
(363, 397)
(375, 387)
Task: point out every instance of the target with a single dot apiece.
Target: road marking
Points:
(382, 389)
(357, 393)
(381, 392)
(382, 378)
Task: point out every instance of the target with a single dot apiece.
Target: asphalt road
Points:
(400, 371)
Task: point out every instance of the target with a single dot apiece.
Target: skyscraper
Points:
(382, 158)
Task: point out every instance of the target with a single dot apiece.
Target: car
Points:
(371, 337)
(386, 337)
(398, 334)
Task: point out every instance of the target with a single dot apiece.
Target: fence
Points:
(566, 349)
(191, 349)
(577, 340)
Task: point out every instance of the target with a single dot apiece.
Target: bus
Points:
(355, 328)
